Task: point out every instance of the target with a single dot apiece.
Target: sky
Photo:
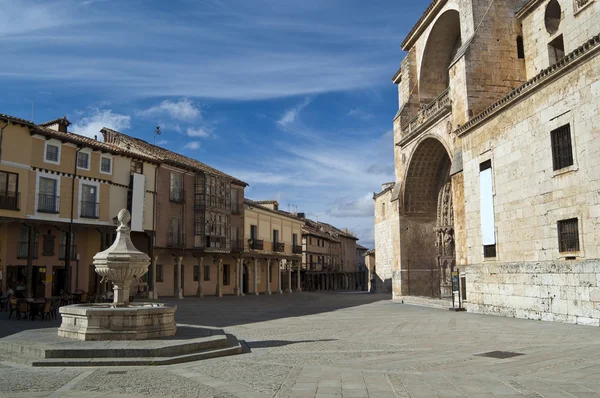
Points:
(293, 97)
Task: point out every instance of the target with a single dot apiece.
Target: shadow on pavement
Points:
(232, 311)
(279, 343)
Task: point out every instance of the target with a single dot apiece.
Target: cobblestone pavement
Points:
(343, 345)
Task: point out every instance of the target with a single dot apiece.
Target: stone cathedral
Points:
(497, 160)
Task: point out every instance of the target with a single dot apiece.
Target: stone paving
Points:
(341, 345)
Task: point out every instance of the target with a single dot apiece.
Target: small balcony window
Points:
(106, 165)
(83, 160)
(9, 187)
(52, 153)
(176, 187)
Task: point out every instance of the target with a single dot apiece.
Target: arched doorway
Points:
(427, 223)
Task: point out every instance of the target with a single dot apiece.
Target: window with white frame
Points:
(83, 160)
(52, 153)
(106, 165)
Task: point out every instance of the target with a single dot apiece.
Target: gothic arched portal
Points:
(427, 223)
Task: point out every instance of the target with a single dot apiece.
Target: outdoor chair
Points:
(54, 308)
(23, 307)
(44, 311)
(84, 298)
(4, 303)
(12, 305)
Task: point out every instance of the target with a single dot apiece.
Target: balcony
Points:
(22, 250)
(48, 203)
(90, 209)
(177, 196)
(237, 245)
(297, 249)
(10, 201)
(174, 239)
(278, 247)
(255, 244)
(428, 114)
(62, 252)
(236, 209)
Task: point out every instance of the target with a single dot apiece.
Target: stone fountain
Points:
(120, 264)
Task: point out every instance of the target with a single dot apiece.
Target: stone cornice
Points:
(421, 24)
(527, 7)
(581, 54)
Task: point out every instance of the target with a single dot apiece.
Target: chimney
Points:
(59, 125)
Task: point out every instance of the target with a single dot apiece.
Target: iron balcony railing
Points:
(237, 245)
(278, 247)
(62, 251)
(177, 196)
(175, 239)
(297, 249)
(236, 209)
(48, 203)
(90, 209)
(23, 249)
(9, 200)
(256, 244)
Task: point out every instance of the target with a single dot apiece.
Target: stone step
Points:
(430, 302)
(141, 361)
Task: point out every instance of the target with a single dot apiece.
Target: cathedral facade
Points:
(497, 160)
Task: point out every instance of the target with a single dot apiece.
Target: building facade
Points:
(54, 184)
(272, 250)
(197, 250)
(496, 171)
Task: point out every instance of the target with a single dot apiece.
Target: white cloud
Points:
(184, 110)
(92, 124)
(199, 132)
(162, 142)
(362, 207)
(292, 115)
(192, 145)
(360, 114)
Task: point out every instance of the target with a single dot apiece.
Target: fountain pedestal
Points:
(121, 264)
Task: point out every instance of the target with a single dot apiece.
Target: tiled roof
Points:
(166, 156)
(267, 202)
(89, 142)
(592, 45)
(60, 120)
(257, 204)
(361, 247)
(16, 120)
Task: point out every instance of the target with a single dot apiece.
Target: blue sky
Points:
(293, 97)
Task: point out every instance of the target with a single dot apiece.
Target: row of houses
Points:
(60, 193)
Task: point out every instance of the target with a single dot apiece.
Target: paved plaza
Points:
(340, 345)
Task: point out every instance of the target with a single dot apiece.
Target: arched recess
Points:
(427, 222)
(442, 45)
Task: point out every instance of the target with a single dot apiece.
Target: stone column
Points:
(268, 277)
(178, 289)
(199, 291)
(220, 278)
(236, 289)
(278, 263)
(290, 268)
(298, 277)
(255, 277)
(241, 277)
(154, 292)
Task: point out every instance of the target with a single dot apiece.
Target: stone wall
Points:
(530, 277)
(576, 29)
(387, 242)
(557, 291)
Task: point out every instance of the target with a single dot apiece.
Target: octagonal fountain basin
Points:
(103, 321)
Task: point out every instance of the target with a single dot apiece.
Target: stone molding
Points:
(546, 76)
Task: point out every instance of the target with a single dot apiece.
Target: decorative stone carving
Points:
(121, 263)
(445, 239)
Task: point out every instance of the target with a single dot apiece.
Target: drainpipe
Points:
(153, 279)
(68, 243)
(2, 135)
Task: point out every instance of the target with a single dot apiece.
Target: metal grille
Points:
(499, 354)
(489, 251)
(562, 151)
(568, 235)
